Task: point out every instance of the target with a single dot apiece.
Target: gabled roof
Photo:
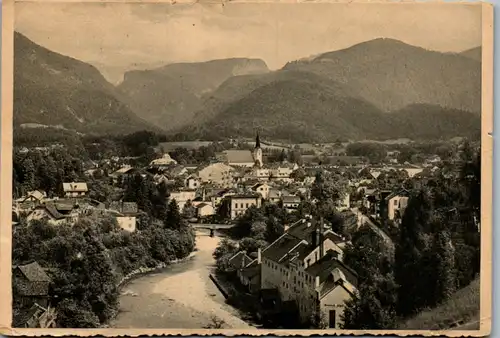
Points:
(281, 247)
(52, 211)
(34, 272)
(203, 204)
(401, 192)
(75, 187)
(326, 265)
(240, 260)
(36, 194)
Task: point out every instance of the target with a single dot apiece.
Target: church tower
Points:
(257, 152)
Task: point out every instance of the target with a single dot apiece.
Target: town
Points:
(301, 231)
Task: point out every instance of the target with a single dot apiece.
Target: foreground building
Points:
(305, 267)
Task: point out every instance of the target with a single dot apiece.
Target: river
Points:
(181, 296)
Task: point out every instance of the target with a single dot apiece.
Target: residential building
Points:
(250, 276)
(241, 202)
(344, 203)
(52, 214)
(126, 214)
(75, 189)
(239, 261)
(31, 284)
(217, 174)
(204, 210)
(396, 204)
(182, 196)
(291, 203)
(262, 189)
(217, 196)
(192, 182)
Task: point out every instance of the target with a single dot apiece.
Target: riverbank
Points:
(182, 296)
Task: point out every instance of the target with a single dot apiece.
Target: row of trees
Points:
(436, 253)
(87, 260)
(44, 170)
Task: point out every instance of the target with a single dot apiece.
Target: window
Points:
(395, 202)
(247, 205)
(236, 205)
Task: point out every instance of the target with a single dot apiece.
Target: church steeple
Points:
(257, 152)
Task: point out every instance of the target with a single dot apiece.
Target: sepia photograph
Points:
(250, 166)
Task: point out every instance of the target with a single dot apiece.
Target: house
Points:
(396, 204)
(217, 196)
(283, 171)
(182, 196)
(262, 189)
(218, 174)
(36, 317)
(291, 203)
(163, 161)
(239, 203)
(239, 261)
(47, 212)
(344, 203)
(75, 189)
(413, 171)
(31, 284)
(249, 276)
(305, 266)
(31, 200)
(192, 182)
(124, 171)
(205, 209)
(126, 214)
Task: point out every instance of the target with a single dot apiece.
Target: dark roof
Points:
(240, 260)
(52, 210)
(324, 267)
(251, 270)
(402, 192)
(253, 196)
(301, 230)
(291, 199)
(34, 272)
(335, 238)
(277, 250)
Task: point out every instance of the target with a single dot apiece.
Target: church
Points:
(245, 158)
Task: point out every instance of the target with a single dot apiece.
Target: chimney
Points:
(321, 240)
(286, 227)
(243, 260)
(259, 255)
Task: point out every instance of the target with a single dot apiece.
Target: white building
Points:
(305, 265)
(75, 189)
(240, 203)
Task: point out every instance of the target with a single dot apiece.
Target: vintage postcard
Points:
(239, 167)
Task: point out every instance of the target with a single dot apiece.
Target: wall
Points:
(334, 300)
(127, 223)
(240, 205)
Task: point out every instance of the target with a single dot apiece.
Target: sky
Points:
(117, 37)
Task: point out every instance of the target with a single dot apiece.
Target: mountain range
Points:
(379, 89)
(55, 90)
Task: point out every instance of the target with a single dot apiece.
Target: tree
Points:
(444, 265)
(189, 210)
(412, 261)
(173, 218)
(224, 251)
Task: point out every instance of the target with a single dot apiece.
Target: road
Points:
(182, 296)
